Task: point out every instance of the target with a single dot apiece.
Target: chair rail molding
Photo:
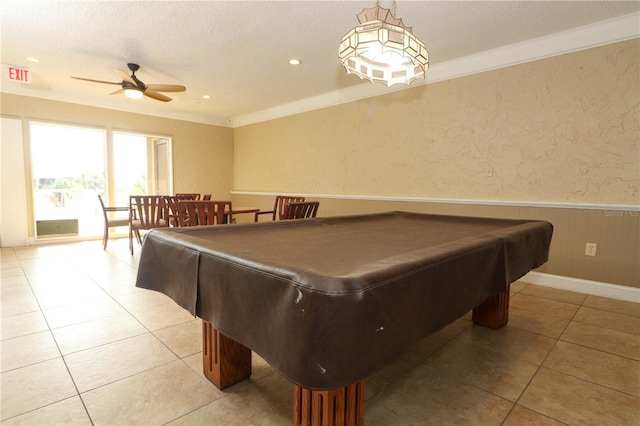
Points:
(632, 209)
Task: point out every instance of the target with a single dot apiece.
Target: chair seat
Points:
(118, 222)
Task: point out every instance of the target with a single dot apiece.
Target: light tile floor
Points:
(80, 344)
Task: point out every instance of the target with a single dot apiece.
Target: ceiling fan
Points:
(135, 89)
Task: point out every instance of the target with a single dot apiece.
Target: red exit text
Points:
(22, 75)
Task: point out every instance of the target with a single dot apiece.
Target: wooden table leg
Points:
(334, 407)
(493, 312)
(224, 361)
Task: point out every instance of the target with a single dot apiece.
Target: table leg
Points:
(225, 362)
(334, 407)
(493, 312)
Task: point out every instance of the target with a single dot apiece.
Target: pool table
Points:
(330, 301)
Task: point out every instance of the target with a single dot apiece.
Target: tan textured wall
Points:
(202, 154)
(560, 130)
(563, 129)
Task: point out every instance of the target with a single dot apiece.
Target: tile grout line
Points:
(75, 386)
(556, 340)
(572, 321)
(149, 331)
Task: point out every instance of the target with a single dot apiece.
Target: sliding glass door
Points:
(71, 165)
(130, 171)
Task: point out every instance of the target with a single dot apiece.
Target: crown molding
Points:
(599, 34)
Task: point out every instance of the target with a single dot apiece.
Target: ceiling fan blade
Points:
(95, 81)
(166, 87)
(117, 92)
(126, 77)
(155, 95)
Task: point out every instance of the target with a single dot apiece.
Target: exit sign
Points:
(21, 75)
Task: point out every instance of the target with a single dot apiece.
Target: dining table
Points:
(241, 210)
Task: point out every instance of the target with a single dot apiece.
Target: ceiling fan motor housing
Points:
(140, 85)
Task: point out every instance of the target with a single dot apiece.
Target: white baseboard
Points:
(64, 239)
(595, 288)
(22, 242)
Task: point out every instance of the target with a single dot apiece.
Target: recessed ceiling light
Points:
(207, 97)
(295, 61)
(32, 59)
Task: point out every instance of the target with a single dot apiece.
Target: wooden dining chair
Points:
(146, 212)
(206, 197)
(188, 195)
(303, 210)
(278, 207)
(110, 221)
(173, 214)
(204, 212)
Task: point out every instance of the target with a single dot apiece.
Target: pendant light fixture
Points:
(382, 49)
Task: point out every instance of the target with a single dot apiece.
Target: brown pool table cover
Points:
(329, 301)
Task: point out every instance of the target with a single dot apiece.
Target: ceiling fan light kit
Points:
(134, 88)
(133, 93)
(383, 49)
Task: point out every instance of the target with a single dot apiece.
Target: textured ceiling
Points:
(237, 52)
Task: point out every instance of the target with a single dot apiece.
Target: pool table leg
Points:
(493, 312)
(224, 361)
(334, 407)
